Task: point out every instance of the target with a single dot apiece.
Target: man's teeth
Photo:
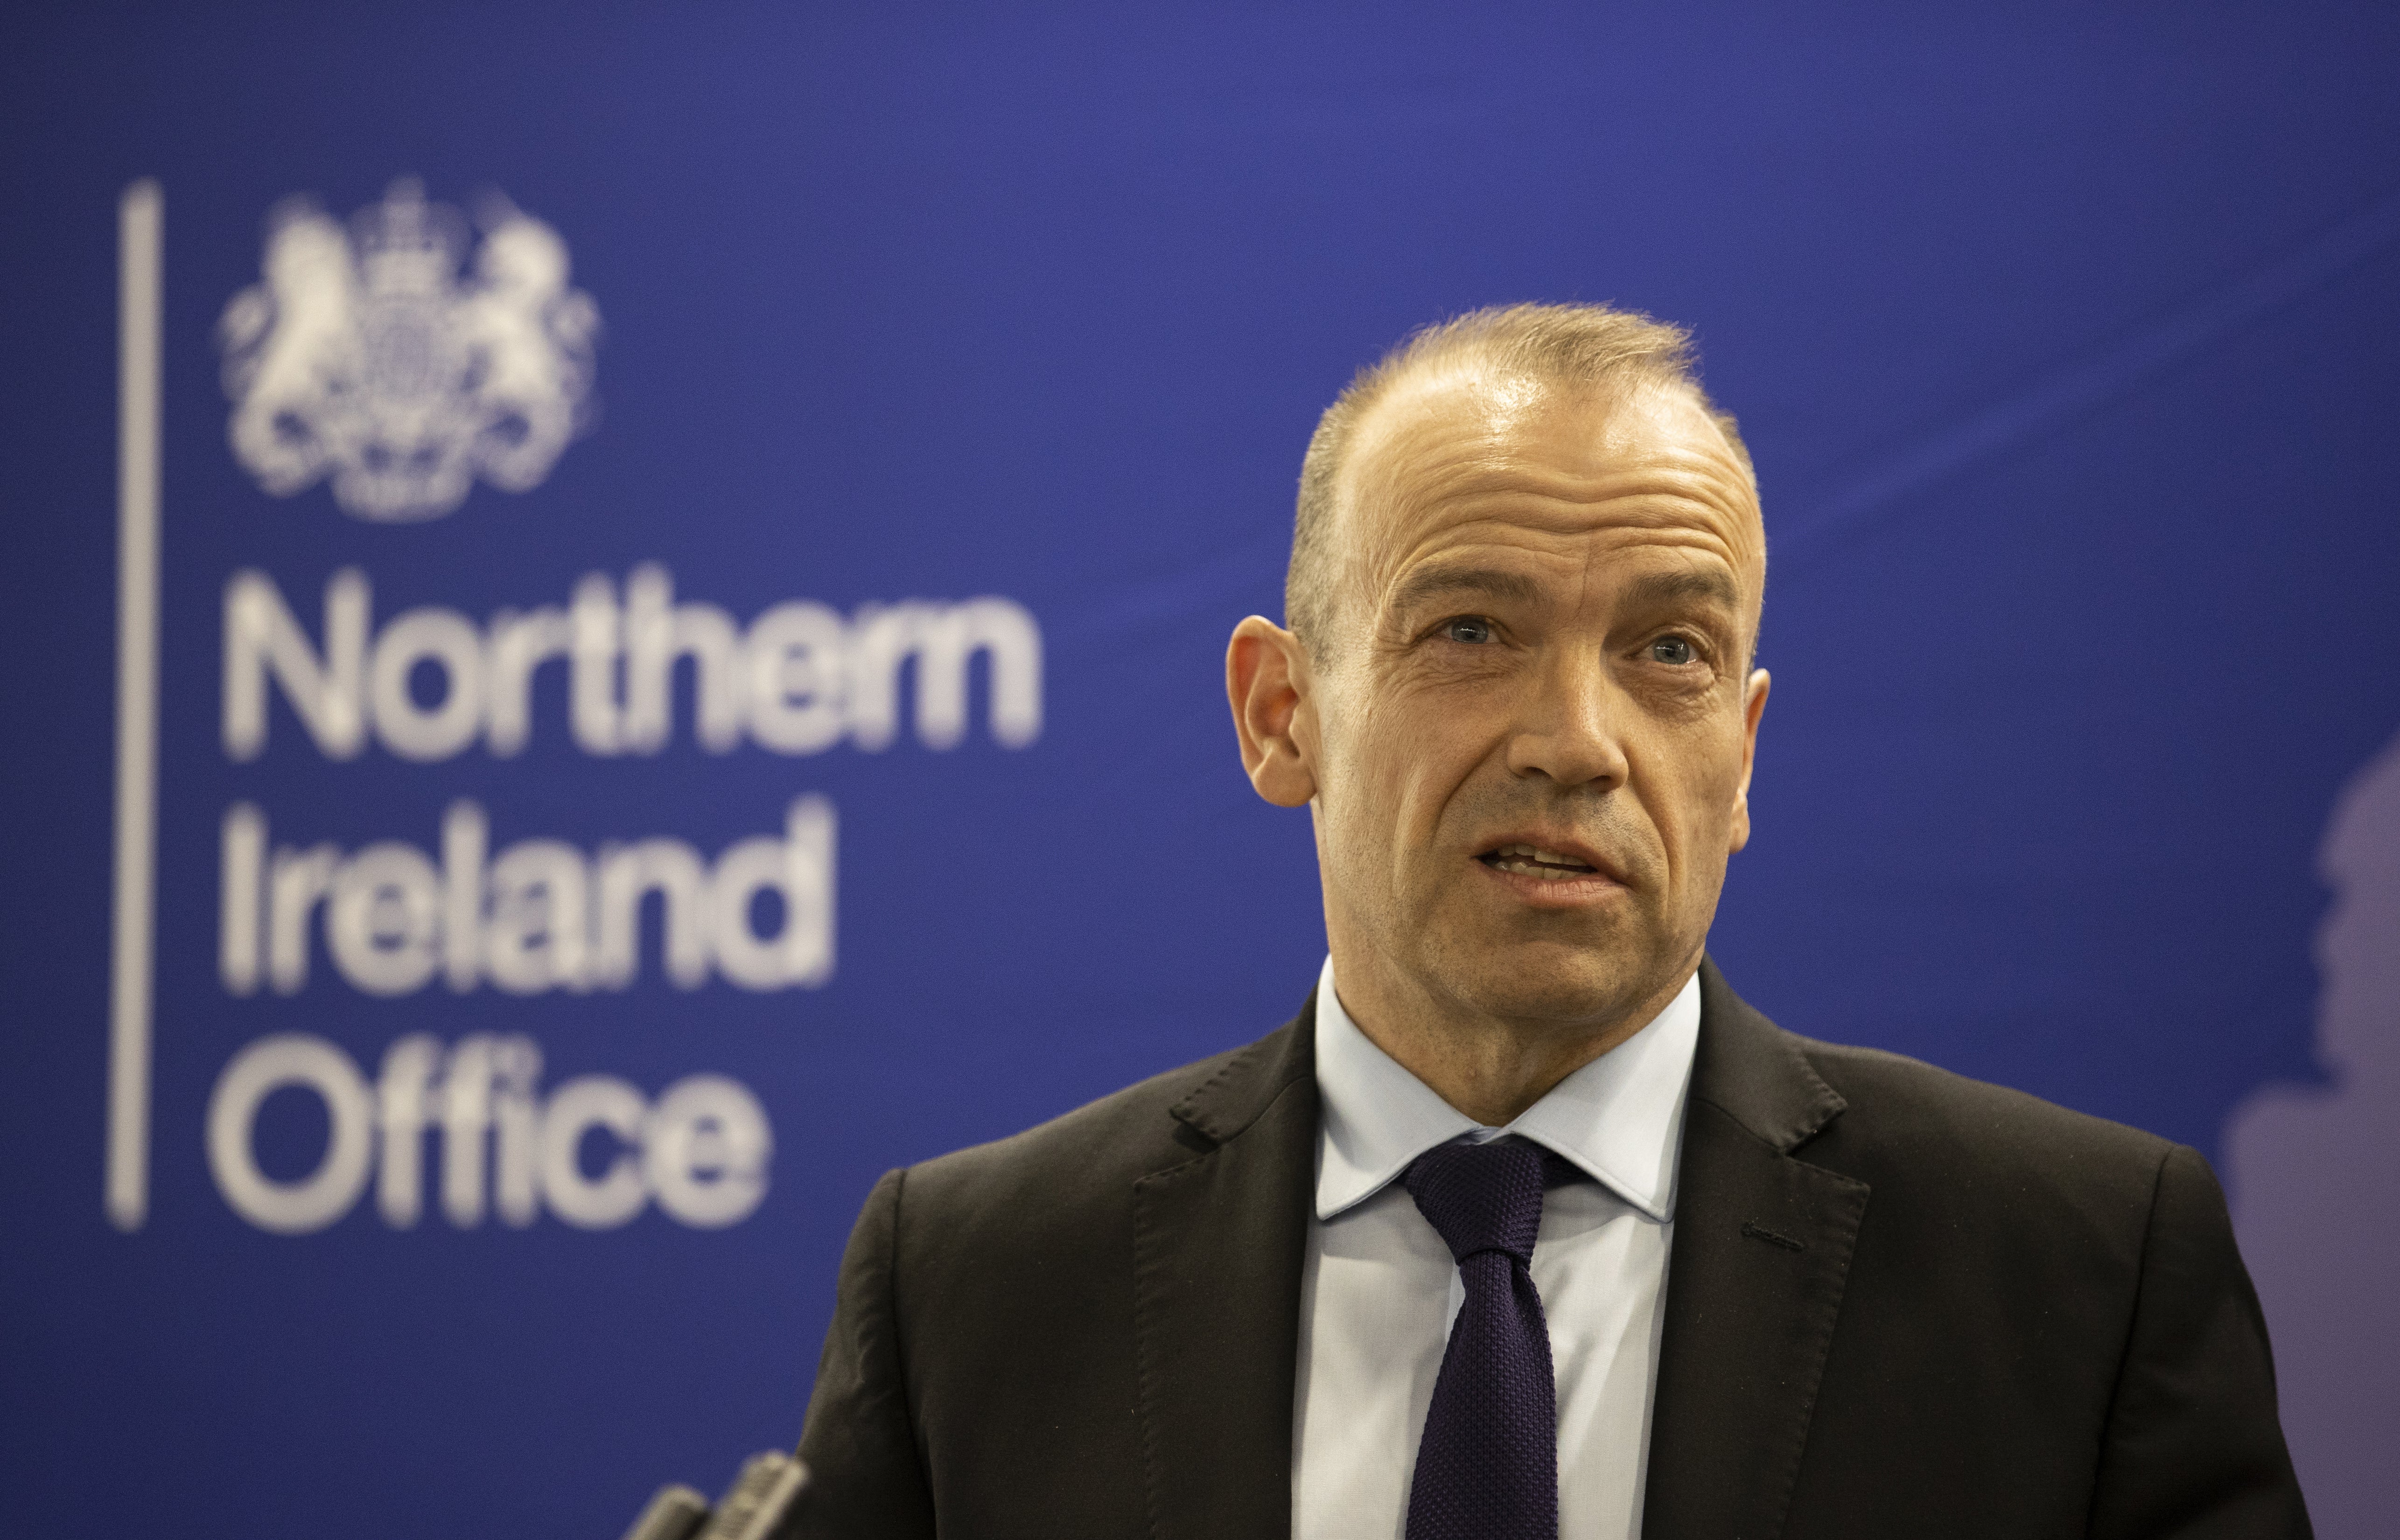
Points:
(1533, 861)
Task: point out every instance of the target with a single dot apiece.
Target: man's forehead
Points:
(1468, 446)
(1466, 403)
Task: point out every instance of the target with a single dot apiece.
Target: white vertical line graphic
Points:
(139, 224)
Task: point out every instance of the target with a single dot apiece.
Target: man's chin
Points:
(1569, 986)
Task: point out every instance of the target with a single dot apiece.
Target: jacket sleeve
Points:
(865, 1478)
(2194, 1449)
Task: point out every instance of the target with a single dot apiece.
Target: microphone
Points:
(753, 1507)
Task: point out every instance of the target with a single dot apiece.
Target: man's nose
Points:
(1566, 727)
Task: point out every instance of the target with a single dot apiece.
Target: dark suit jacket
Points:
(1898, 1304)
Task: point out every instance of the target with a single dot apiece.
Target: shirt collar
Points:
(1619, 1118)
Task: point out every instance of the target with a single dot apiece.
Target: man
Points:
(1527, 1226)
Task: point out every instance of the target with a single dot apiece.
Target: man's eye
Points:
(1472, 629)
(1673, 650)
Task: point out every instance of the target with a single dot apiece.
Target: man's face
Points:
(1531, 730)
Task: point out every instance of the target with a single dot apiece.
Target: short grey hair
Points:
(1592, 345)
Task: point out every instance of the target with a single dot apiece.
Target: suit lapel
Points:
(1219, 1243)
(1762, 1249)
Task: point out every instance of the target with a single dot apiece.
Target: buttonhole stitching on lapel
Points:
(1760, 1232)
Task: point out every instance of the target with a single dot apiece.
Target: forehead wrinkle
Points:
(1496, 567)
(1567, 542)
(1631, 505)
(1551, 528)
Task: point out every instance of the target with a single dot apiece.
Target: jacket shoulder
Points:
(1095, 1151)
(1908, 1098)
(1899, 1124)
(1978, 1149)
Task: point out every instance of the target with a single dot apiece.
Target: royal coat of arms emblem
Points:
(365, 356)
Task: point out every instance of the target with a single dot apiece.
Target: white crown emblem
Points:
(364, 356)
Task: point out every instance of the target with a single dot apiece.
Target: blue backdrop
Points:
(695, 561)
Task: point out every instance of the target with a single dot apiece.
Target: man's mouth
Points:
(1534, 862)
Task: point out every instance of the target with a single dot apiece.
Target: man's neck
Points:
(1489, 1067)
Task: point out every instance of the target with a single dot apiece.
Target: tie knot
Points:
(1481, 1197)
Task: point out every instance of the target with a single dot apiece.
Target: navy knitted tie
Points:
(1488, 1466)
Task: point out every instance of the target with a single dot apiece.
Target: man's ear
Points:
(1754, 706)
(1267, 682)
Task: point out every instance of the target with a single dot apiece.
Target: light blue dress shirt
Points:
(1379, 1289)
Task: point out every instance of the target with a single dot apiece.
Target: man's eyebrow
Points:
(1665, 588)
(1428, 584)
